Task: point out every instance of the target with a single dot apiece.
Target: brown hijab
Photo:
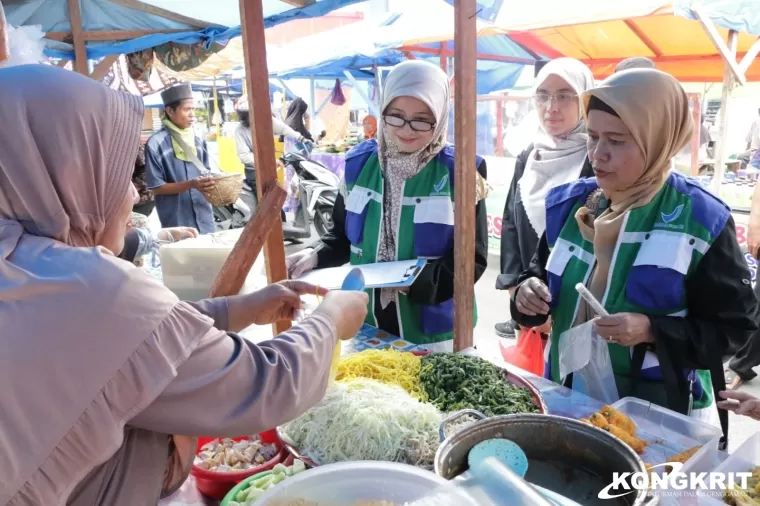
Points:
(655, 108)
(88, 340)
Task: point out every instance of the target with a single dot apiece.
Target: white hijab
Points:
(555, 160)
(428, 83)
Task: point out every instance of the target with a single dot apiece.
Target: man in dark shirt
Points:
(180, 180)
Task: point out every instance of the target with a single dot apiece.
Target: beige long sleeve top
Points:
(227, 387)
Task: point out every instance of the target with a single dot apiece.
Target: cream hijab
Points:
(87, 340)
(655, 108)
(555, 160)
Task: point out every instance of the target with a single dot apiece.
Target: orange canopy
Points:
(601, 34)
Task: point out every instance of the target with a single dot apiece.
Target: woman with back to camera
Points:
(655, 248)
(556, 156)
(397, 203)
(105, 377)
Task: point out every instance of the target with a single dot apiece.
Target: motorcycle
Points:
(317, 191)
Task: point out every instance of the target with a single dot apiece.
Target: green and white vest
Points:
(425, 230)
(659, 248)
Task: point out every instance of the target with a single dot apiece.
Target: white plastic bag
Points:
(586, 355)
(25, 45)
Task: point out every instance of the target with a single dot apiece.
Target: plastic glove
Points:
(300, 263)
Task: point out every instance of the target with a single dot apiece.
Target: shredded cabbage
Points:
(363, 419)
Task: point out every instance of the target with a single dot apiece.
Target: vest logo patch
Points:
(441, 184)
(669, 218)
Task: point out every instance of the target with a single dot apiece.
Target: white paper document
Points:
(380, 275)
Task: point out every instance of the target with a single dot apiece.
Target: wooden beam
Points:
(649, 43)
(465, 94)
(104, 66)
(680, 58)
(80, 52)
(479, 56)
(717, 40)
(163, 13)
(257, 83)
(728, 86)
(750, 56)
(298, 3)
(110, 34)
(231, 277)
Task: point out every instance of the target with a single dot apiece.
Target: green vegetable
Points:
(454, 382)
(256, 488)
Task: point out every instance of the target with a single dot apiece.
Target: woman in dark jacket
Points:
(557, 156)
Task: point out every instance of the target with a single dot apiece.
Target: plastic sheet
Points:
(586, 355)
(24, 45)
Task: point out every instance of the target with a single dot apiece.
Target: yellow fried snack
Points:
(600, 421)
(684, 455)
(618, 419)
(636, 444)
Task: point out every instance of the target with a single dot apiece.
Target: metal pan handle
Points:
(456, 416)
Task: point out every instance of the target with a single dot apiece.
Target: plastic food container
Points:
(669, 433)
(217, 485)
(190, 267)
(744, 459)
(350, 482)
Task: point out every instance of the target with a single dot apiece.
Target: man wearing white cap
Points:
(177, 166)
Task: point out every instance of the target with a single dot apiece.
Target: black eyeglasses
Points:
(417, 125)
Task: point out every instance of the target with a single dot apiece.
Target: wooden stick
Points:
(242, 257)
(465, 91)
(80, 52)
(257, 83)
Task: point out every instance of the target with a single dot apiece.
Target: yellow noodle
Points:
(386, 366)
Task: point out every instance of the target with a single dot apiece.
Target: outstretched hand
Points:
(280, 301)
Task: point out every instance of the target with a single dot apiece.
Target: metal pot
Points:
(566, 456)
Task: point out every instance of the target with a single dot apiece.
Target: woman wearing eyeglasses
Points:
(397, 203)
(556, 156)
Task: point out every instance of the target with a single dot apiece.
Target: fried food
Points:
(684, 455)
(618, 419)
(603, 422)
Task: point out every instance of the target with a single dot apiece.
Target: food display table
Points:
(559, 401)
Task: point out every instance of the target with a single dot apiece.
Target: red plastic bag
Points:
(528, 353)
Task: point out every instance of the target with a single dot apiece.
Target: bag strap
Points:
(189, 152)
(718, 381)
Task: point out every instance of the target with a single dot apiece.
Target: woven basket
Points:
(227, 189)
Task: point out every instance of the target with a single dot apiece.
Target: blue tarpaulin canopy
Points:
(359, 47)
(189, 21)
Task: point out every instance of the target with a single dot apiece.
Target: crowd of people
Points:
(108, 377)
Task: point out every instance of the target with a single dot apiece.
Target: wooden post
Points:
(257, 80)
(4, 49)
(696, 117)
(465, 103)
(77, 33)
(728, 86)
(231, 278)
